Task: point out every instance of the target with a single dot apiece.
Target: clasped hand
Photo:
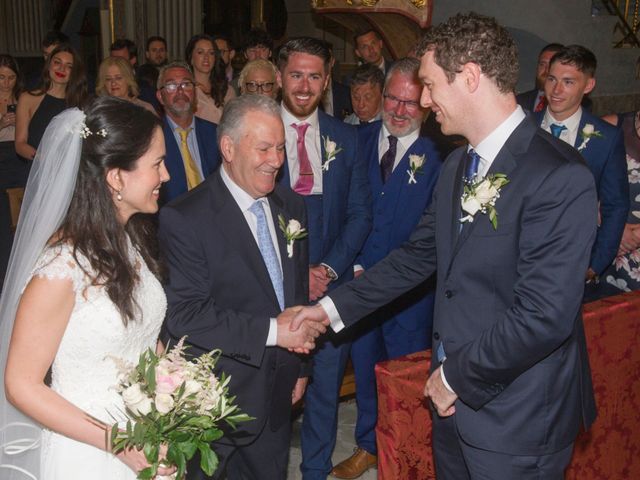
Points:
(443, 400)
(298, 334)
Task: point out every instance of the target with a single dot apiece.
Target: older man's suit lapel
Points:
(243, 240)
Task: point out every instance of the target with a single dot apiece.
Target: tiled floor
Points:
(344, 445)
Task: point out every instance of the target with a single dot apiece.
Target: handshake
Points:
(298, 328)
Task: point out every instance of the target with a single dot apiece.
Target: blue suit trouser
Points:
(320, 418)
(381, 342)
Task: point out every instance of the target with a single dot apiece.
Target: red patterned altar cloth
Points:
(610, 450)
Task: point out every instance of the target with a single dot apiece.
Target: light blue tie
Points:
(269, 255)
(557, 129)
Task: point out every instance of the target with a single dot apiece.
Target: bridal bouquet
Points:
(174, 402)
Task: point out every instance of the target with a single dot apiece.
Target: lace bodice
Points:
(84, 371)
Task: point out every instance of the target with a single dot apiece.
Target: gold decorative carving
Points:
(419, 3)
(362, 3)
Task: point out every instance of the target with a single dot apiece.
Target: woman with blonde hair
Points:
(259, 76)
(116, 78)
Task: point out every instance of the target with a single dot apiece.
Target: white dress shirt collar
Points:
(572, 123)
(242, 198)
(288, 118)
(404, 143)
(489, 148)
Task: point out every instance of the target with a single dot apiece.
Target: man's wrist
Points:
(331, 273)
(444, 379)
(332, 312)
(272, 336)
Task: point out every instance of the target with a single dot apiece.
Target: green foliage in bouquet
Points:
(177, 403)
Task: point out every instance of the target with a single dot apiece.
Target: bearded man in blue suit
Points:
(570, 78)
(403, 170)
(325, 167)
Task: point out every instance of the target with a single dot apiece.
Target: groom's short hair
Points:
(471, 37)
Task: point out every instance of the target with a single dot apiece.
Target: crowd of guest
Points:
(358, 209)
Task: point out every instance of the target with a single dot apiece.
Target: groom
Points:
(232, 272)
(510, 379)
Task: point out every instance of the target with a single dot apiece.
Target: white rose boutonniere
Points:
(587, 132)
(292, 231)
(480, 195)
(415, 167)
(331, 149)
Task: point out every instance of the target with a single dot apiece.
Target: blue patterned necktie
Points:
(473, 162)
(268, 251)
(557, 129)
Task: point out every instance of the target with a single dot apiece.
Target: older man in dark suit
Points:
(192, 151)
(510, 380)
(232, 274)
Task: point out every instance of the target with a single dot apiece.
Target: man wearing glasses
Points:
(403, 168)
(259, 76)
(192, 151)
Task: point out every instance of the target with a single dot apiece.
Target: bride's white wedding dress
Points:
(84, 371)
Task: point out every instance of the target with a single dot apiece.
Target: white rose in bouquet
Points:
(164, 403)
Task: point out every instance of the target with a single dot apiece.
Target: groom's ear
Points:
(471, 73)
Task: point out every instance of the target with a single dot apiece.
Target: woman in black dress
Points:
(63, 85)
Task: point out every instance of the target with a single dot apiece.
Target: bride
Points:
(92, 293)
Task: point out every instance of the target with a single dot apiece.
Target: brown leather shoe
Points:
(355, 465)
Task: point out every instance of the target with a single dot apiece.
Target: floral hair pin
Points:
(86, 132)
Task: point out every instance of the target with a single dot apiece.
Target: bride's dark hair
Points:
(91, 224)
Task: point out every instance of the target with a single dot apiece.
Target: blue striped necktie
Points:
(268, 251)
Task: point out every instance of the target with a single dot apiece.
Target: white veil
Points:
(47, 197)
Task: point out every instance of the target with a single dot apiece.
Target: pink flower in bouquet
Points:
(168, 383)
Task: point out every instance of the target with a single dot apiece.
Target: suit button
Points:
(448, 294)
(436, 336)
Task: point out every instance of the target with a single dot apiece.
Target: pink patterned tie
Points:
(304, 185)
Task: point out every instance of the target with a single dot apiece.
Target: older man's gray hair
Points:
(174, 64)
(408, 66)
(232, 123)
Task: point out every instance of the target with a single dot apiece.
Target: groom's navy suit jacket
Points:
(606, 158)
(508, 300)
(220, 294)
(209, 156)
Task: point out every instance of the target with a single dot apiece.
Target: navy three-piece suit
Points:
(403, 326)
